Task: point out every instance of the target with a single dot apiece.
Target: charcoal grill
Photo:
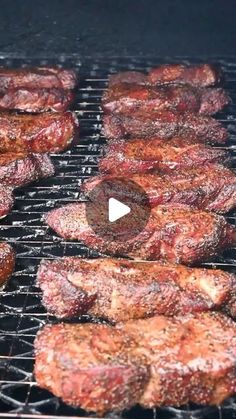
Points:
(21, 312)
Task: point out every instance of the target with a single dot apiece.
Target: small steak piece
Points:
(211, 188)
(125, 98)
(174, 233)
(42, 133)
(20, 168)
(6, 201)
(120, 289)
(151, 362)
(7, 262)
(38, 78)
(165, 125)
(201, 75)
(134, 77)
(141, 155)
(36, 100)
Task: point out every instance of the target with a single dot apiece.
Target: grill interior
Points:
(21, 312)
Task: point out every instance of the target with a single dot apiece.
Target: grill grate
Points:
(21, 312)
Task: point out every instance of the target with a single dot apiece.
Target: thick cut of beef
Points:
(121, 289)
(140, 155)
(174, 233)
(42, 133)
(151, 362)
(36, 100)
(211, 188)
(125, 98)
(7, 262)
(6, 200)
(38, 78)
(20, 168)
(165, 125)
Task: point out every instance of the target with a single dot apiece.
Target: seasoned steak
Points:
(38, 78)
(152, 362)
(174, 233)
(165, 125)
(7, 262)
(20, 168)
(42, 133)
(6, 201)
(121, 289)
(211, 187)
(124, 98)
(36, 100)
(140, 155)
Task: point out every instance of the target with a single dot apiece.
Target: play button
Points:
(117, 209)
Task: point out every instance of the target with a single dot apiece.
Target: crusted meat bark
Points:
(6, 200)
(7, 262)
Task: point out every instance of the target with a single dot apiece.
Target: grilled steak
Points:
(37, 78)
(36, 100)
(164, 125)
(41, 133)
(211, 188)
(201, 75)
(19, 168)
(7, 262)
(142, 155)
(152, 362)
(125, 98)
(174, 233)
(6, 201)
(120, 289)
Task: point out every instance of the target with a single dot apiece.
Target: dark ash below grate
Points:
(21, 312)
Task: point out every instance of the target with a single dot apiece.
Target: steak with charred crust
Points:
(7, 262)
(6, 200)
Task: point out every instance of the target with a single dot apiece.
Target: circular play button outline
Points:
(129, 212)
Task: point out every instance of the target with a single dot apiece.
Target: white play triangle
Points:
(116, 210)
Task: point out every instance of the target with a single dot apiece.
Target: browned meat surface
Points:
(37, 77)
(125, 98)
(199, 75)
(36, 100)
(134, 77)
(211, 187)
(6, 201)
(7, 262)
(120, 289)
(20, 168)
(164, 125)
(141, 155)
(152, 362)
(174, 233)
(41, 133)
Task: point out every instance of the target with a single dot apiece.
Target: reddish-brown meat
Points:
(36, 100)
(125, 98)
(164, 125)
(41, 133)
(121, 289)
(198, 75)
(140, 155)
(38, 77)
(6, 201)
(20, 168)
(174, 233)
(211, 188)
(7, 262)
(152, 362)
(201, 75)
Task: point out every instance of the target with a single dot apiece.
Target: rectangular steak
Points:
(174, 233)
(38, 78)
(124, 98)
(42, 133)
(165, 125)
(151, 362)
(121, 289)
(140, 155)
(20, 168)
(7, 262)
